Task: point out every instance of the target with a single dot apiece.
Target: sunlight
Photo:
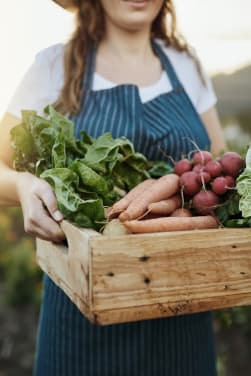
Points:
(221, 35)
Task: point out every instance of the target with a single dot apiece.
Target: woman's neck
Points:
(128, 57)
(124, 45)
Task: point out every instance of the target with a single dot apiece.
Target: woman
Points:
(126, 71)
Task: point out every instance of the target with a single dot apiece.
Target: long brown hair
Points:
(90, 25)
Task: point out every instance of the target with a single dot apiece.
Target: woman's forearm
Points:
(8, 186)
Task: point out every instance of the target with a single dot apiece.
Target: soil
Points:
(18, 327)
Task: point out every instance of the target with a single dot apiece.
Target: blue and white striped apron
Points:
(68, 345)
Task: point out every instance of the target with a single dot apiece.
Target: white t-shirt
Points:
(43, 81)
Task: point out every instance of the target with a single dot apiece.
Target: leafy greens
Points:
(86, 174)
(244, 187)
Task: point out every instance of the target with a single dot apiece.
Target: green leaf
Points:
(159, 168)
(86, 173)
(85, 213)
(127, 177)
(24, 148)
(59, 152)
(238, 223)
(90, 178)
(222, 213)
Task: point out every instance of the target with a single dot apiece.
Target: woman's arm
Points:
(211, 121)
(8, 177)
(35, 195)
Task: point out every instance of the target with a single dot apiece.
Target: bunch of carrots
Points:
(157, 205)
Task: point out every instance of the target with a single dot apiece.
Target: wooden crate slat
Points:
(138, 277)
(161, 310)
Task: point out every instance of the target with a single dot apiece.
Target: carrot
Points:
(165, 224)
(161, 189)
(122, 204)
(165, 206)
(181, 212)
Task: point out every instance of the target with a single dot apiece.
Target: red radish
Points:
(184, 165)
(205, 202)
(230, 181)
(203, 177)
(232, 163)
(202, 157)
(189, 183)
(219, 185)
(213, 168)
(198, 168)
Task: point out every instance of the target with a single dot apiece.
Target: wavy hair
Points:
(90, 25)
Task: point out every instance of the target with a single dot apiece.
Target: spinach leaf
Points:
(85, 213)
(85, 173)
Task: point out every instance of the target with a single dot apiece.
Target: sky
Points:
(219, 30)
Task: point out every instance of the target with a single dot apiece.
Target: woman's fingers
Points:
(37, 222)
(46, 194)
(39, 206)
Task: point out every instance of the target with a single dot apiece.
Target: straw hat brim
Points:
(71, 5)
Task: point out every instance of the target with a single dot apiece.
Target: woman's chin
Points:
(136, 23)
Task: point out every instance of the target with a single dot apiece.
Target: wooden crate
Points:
(137, 277)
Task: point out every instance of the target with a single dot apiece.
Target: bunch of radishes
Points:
(205, 181)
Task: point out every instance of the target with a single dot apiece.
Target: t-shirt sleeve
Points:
(201, 94)
(34, 90)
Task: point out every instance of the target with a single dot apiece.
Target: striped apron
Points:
(68, 344)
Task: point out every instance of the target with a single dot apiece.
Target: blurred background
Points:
(220, 31)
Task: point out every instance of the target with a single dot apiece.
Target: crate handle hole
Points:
(64, 246)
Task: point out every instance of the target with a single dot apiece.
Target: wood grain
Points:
(138, 277)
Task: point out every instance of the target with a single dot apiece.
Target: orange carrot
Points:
(161, 189)
(165, 224)
(166, 206)
(181, 212)
(124, 202)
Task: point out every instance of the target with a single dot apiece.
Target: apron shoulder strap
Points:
(167, 65)
(89, 69)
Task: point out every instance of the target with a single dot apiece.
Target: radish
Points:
(205, 202)
(202, 157)
(189, 183)
(115, 228)
(203, 177)
(184, 165)
(213, 168)
(198, 168)
(232, 163)
(219, 185)
(230, 181)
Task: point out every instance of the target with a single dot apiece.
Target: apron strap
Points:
(167, 65)
(89, 70)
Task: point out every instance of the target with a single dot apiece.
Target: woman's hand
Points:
(39, 206)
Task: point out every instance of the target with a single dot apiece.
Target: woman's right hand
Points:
(39, 206)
